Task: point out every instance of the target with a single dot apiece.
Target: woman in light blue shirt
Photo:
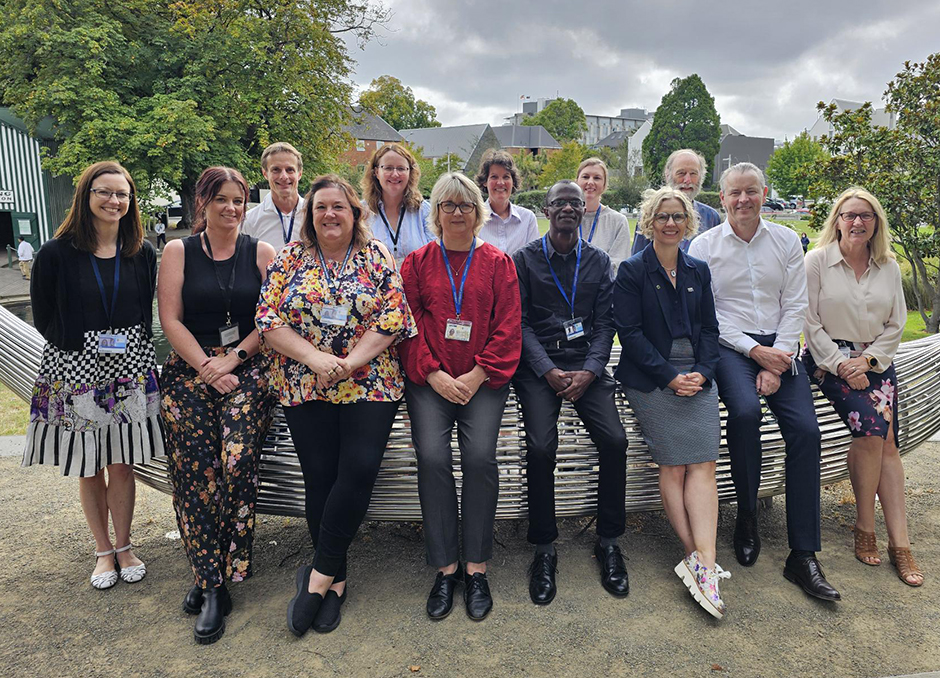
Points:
(508, 226)
(397, 214)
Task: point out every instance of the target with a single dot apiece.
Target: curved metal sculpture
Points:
(396, 491)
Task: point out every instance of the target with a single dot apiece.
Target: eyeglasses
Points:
(451, 207)
(849, 217)
(678, 218)
(560, 203)
(104, 194)
(392, 170)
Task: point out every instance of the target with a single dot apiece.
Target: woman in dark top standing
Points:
(96, 402)
(216, 402)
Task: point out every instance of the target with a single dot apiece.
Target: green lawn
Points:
(14, 413)
(914, 328)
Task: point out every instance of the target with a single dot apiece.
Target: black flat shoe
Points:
(210, 624)
(613, 569)
(746, 538)
(808, 575)
(192, 603)
(441, 599)
(542, 571)
(328, 616)
(304, 605)
(477, 596)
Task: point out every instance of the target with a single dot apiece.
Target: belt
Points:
(564, 343)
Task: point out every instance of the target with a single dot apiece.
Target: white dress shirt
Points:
(24, 252)
(513, 233)
(759, 286)
(265, 222)
(870, 310)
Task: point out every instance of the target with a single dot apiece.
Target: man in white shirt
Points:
(759, 285)
(280, 216)
(25, 254)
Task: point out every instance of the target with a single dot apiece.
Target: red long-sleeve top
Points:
(490, 302)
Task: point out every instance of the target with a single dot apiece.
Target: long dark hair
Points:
(361, 234)
(209, 184)
(78, 225)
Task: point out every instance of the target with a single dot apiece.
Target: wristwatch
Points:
(241, 354)
(872, 361)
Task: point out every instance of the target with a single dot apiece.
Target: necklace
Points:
(672, 272)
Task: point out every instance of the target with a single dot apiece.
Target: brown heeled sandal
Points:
(866, 546)
(903, 560)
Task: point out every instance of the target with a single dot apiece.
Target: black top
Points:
(544, 309)
(62, 303)
(203, 300)
(127, 311)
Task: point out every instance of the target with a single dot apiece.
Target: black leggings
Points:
(340, 448)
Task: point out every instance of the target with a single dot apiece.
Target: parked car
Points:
(773, 205)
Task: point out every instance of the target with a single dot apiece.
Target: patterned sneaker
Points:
(702, 583)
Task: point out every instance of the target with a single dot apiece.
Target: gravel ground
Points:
(57, 625)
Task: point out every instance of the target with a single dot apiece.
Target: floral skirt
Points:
(868, 412)
(92, 409)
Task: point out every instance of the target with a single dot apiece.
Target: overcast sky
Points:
(767, 67)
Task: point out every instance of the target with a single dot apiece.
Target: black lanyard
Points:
(290, 229)
(226, 290)
(108, 310)
(397, 234)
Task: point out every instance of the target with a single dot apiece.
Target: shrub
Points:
(907, 282)
(533, 200)
(710, 198)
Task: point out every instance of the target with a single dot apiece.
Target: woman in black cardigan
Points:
(664, 312)
(96, 401)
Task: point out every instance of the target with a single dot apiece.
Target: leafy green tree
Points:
(789, 168)
(170, 87)
(395, 103)
(563, 119)
(626, 186)
(530, 169)
(686, 118)
(562, 164)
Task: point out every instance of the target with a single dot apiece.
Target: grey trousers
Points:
(432, 421)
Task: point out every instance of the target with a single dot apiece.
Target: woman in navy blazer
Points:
(664, 312)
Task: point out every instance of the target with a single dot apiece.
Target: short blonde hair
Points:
(281, 147)
(651, 202)
(458, 188)
(880, 243)
(591, 162)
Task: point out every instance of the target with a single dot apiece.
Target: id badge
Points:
(229, 334)
(112, 343)
(574, 329)
(334, 315)
(458, 330)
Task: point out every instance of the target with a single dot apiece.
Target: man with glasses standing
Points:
(280, 216)
(759, 284)
(567, 331)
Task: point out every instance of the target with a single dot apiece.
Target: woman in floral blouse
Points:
(332, 309)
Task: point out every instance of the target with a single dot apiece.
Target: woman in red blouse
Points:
(464, 296)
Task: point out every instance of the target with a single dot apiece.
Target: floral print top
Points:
(294, 295)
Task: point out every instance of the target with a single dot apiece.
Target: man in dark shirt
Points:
(567, 331)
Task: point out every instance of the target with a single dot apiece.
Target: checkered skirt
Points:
(89, 409)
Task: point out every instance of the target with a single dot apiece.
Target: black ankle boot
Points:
(192, 603)
(210, 624)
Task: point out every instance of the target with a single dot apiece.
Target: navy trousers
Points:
(792, 405)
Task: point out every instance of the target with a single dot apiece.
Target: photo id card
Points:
(574, 329)
(458, 330)
(112, 343)
(229, 334)
(334, 314)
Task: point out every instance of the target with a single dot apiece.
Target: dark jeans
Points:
(432, 421)
(598, 411)
(792, 405)
(340, 448)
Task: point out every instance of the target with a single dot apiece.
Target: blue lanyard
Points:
(326, 271)
(109, 310)
(594, 225)
(577, 268)
(458, 297)
(290, 229)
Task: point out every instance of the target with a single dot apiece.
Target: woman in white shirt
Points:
(854, 322)
(600, 225)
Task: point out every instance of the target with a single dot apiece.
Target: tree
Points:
(563, 119)
(686, 118)
(562, 164)
(170, 87)
(789, 168)
(395, 103)
(530, 169)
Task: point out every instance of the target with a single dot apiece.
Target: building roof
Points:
(436, 142)
(524, 136)
(615, 139)
(728, 129)
(366, 125)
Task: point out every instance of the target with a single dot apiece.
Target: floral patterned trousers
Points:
(213, 443)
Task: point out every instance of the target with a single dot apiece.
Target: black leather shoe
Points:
(304, 605)
(441, 600)
(746, 538)
(542, 571)
(210, 624)
(328, 616)
(477, 596)
(808, 575)
(613, 569)
(192, 603)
